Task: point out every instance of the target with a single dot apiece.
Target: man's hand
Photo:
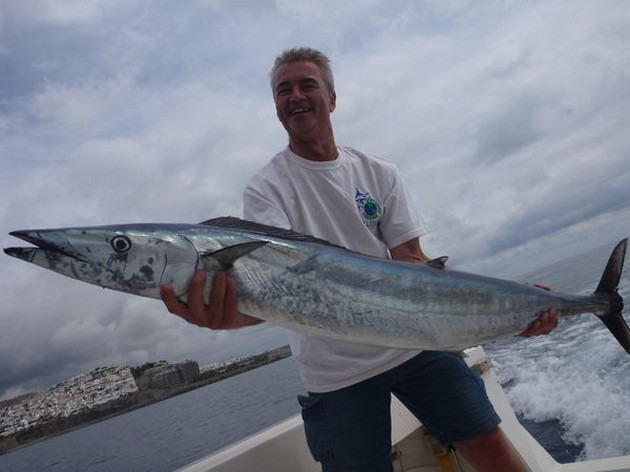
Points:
(222, 311)
(546, 323)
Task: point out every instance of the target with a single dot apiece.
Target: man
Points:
(357, 201)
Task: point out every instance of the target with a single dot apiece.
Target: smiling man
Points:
(358, 201)
(304, 102)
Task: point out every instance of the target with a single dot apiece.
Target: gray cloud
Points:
(509, 121)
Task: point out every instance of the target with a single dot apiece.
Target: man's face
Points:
(303, 102)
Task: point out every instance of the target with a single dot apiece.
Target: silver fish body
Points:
(311, 286)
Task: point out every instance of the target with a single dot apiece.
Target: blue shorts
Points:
(350, 429)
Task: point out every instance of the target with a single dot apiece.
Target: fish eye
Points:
(121, 244)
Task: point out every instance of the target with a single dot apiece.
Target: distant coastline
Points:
(143, 397)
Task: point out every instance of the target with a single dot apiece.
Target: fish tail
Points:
(608, 285)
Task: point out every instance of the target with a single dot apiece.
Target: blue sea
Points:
(570, 389)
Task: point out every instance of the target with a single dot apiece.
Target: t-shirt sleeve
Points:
(262, 209)
(401, 219)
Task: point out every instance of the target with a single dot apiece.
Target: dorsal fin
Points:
(232, 222)
(438, 262)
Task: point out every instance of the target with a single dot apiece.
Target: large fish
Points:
(309, 285)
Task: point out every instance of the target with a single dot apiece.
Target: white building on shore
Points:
(67, 398)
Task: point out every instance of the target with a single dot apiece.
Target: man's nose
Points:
(296, 93)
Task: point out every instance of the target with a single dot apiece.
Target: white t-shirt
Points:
(357, 201)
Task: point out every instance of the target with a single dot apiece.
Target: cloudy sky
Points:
(509, 120)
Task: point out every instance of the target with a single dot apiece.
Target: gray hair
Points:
(304, 54)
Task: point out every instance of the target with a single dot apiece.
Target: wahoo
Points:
(309, 285)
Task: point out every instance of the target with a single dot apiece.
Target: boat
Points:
(282, 447)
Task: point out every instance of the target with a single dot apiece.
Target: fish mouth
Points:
(43, 245)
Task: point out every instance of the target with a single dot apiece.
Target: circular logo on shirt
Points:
(369, 208)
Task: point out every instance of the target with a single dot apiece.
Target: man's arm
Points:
(220, 313)
(411, 251)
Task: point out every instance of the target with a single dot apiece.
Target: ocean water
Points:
(575, 381)
(170, 434)
(570, 389)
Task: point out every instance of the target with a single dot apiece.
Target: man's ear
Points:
(333, 101)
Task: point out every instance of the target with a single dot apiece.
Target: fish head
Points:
(129, 258)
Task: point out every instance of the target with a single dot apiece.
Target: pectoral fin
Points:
(229, 255)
